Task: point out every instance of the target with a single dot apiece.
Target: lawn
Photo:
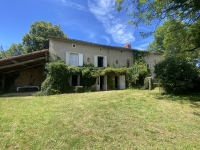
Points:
(128, 119)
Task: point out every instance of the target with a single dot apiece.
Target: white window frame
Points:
(80, 58)
(78, 81)
(96, 60)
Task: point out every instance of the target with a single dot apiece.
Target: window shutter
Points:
(95, 61)
(80, 59)
(67, 58)
(105, 61)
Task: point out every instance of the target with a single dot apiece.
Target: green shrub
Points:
(56, 81)
(136, 74)
(178, 75)
(110, 83)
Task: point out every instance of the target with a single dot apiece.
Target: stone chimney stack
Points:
(127, 46)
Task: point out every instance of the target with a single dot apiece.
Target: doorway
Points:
(74, 80)
(101, 82)
(116, 82)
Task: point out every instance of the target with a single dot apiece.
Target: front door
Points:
(122, 83)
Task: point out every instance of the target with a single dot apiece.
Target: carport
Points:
(21, 63)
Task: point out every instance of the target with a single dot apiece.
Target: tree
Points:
(179, 42)
(14, 50)
(147, 11)
(156, 11)
(37, 38)
(178, 75)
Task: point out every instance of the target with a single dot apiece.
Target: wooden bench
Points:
(27, 87)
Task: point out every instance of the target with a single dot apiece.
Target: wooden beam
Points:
(14, 61)
(24, 68)
(22, 63)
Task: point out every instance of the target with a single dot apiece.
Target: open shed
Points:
(23, 71)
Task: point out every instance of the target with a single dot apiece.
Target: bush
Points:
(178, 75)
(56, 81)
(136, 74)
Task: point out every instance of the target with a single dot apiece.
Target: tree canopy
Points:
(37, 38)
(178, 42)
(182, 17)
(14, 50)
(147, 11)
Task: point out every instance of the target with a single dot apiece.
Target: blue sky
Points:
(89, 20)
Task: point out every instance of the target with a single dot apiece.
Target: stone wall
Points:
(30, 77)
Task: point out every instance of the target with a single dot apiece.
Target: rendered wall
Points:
(59, 48)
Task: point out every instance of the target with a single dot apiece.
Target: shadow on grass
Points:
(18, 94)
(193, 99)
(196, 114)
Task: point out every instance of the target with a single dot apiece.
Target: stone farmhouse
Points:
(26, 71)
(78, 53)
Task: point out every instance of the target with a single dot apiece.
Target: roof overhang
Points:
(22, 62)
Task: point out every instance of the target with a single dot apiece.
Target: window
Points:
(100, 61)
(74, 45)
(128, 63)
(74, 59)
(74, 80)
(148, 66)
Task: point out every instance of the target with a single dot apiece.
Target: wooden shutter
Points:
(105, 61)
(80, 59)
(67, 58)
(95, 61)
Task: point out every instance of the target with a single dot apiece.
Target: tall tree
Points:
(37, 38)
(14, 50)
(156, 10)
(185, 12)
(178, 42)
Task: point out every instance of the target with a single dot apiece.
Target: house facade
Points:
(79, 53)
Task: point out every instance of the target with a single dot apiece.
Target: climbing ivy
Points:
(58, 73)
(138, 56)
(110, 83)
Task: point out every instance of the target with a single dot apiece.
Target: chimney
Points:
(127, 46)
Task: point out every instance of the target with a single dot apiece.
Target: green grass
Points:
(129, 119)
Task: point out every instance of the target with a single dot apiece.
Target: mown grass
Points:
(129, 119)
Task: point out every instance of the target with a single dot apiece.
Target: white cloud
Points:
(104, 11)
(67, 3)
(91, 36)
(106, 38)
(142, 46)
